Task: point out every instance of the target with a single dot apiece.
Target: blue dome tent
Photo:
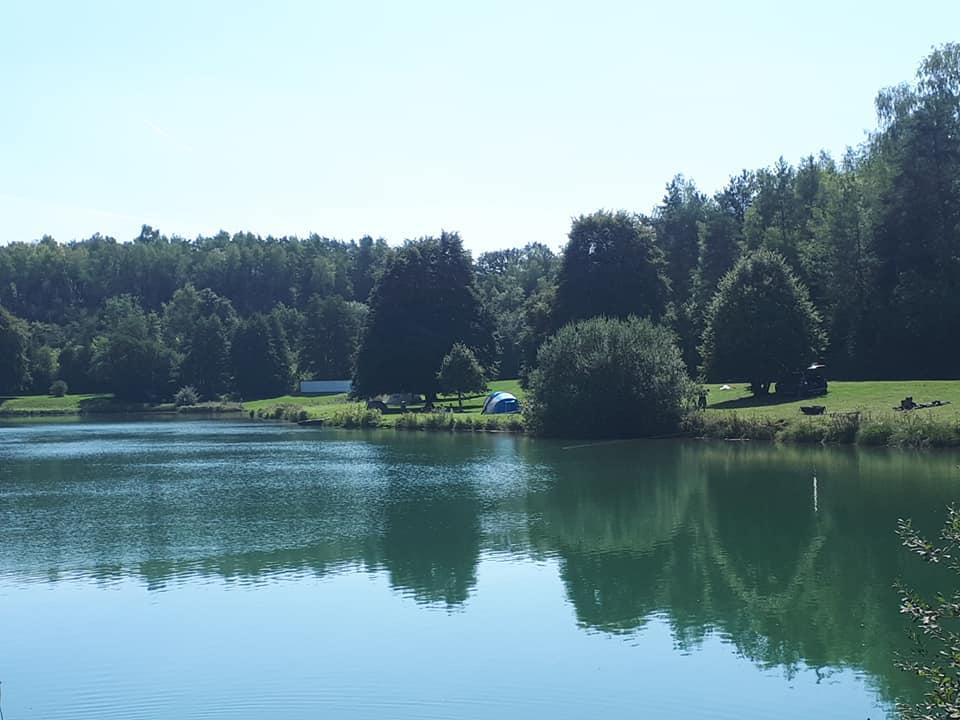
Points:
(500, 403)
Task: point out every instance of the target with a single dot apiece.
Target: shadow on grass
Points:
(107, 404)
(754, 401)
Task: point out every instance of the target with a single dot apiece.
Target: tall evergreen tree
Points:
(331, 337)
(261, 363)
(918, 238)
(206, 365)
(425, 302)
(14, 346)
(677, 222)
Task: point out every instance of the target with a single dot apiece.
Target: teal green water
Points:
(231, 570)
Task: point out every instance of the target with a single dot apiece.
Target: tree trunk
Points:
(760, 389)
(460, 400)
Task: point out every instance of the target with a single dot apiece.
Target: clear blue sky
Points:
(501, 120)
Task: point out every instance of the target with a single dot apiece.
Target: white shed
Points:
(325, 387)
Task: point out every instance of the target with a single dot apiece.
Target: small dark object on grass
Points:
(908, 404)
(812, 409)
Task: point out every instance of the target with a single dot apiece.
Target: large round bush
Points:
(608, 378)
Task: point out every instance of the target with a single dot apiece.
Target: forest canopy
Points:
(870, 242)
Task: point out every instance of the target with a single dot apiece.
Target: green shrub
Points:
(842, 427)
(438, 421)
(875, 431)
(186, 395)
(917, 430)
(608, 378)
(288, 411)
(356, 415)
(58, 388)
(913, 430)
(732, 426)
(464, 424)
(803, 431)
(408, 421)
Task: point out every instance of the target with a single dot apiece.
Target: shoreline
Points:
(914, 431)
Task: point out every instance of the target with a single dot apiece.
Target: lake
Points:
(225, 569)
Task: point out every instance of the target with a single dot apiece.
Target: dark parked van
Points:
(804, 383)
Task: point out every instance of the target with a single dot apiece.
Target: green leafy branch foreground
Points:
(937, 644)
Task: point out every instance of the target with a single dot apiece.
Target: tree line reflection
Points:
(713, 538)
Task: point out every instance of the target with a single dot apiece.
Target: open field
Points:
(857, 412)
(93, 404)
(46, 405)
(874, 397)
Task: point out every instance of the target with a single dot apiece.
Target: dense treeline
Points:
(868, 247)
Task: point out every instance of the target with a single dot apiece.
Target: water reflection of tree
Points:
(723, 539)
(408, 506)
(713, 538)
(431, 541)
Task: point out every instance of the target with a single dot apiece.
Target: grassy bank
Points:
(95, 404)
(857, 412)
(46, 405)
(339, 411)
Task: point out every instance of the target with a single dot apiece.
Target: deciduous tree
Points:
(760, 324)
(425, 301)
(460, 372)
(611, 267)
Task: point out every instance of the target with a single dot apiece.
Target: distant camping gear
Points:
(500, 403)
(908, 404)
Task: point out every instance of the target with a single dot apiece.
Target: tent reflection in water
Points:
(500, 403)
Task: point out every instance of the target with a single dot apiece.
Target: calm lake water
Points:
(234, 570)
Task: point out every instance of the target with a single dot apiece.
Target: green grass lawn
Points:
(316, 406)
(877, 398)
(474, 403)
(102, 403)
(324, 407)
(309, 402)
(46, 405)
(874, 397)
